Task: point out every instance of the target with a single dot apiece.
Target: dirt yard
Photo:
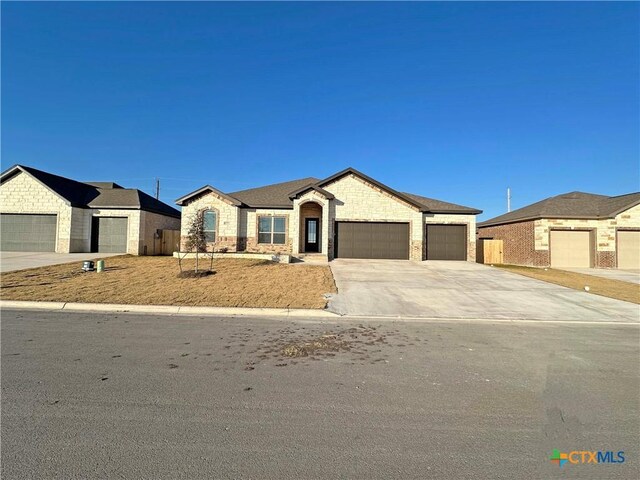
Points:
(154, 281)
(629, 292)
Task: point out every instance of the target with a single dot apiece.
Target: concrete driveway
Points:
(441, 289)
(11, 261)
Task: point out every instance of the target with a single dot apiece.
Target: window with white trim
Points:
(209, 221)
(272, 230)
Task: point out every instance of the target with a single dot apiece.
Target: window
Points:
(271, 230)
(209, 226)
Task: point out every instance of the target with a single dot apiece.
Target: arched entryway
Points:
(310, 227)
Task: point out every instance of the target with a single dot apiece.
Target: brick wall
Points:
(518, 243)
(527, 243)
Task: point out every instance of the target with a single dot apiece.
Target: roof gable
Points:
(381, 186)
(85, 195)
(75, 193)
(272, 196)
(208, 189)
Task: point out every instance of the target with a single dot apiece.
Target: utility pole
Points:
(157, 188)
(508, 199)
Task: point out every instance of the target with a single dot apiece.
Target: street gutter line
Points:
(275, 312)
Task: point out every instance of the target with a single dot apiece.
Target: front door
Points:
(311, 234)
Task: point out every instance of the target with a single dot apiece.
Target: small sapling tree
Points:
(196, 241)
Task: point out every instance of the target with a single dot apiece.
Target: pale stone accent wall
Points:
(605, 228)
(228, 218)
(24, 194)
(303, 205)
(358, 200)
(134, 241)
(456, 219)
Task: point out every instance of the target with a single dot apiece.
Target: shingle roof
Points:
(280, 195)
(90, 195)
(438, 206)
(104, 184)
(276, 195)
(579, 205)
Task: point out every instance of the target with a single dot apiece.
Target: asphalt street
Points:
(88, 395)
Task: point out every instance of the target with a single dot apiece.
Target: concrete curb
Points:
(168, 309)
(285, 313)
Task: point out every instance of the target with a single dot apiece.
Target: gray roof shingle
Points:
(279, 195)
(579, 205)
(276, 195)
(93, 195)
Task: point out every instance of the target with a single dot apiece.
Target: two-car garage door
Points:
(382, 240)
(28, 233)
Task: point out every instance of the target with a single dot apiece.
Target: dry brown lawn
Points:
(154, 281)
(629, 292)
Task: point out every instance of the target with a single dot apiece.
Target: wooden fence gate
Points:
(170, 241)
(489, 252)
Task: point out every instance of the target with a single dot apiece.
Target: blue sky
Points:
(454, 101)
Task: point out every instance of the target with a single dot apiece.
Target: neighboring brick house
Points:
(347, 215)
(45, 212)
(571, 230)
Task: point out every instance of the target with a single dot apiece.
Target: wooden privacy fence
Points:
(165, 242)
(489, 251)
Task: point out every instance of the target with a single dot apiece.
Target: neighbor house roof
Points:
(94, 194)
(579, 205)
(280, 195)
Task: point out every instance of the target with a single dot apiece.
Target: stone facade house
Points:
(571, 230)
(42, 212)
(347, 215)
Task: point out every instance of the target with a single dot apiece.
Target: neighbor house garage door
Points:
(570, 249)
(109, 234)
(446, 242)
(28, 233)
(372, 240)
(628, 249)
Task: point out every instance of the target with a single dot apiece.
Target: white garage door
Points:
(570, 249)
(629, 249)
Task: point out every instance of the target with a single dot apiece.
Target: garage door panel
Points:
(446, 242)
(375, 240)
(628, 249)
(570, 249)
(28, 233)
(109, 234)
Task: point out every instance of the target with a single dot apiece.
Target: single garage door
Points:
(109, 234)
(372, 240)
(446, 242)
(28, 233)
(628, 249)
(570, 249)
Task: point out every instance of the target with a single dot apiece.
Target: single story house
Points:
(347, 215)
(42, 212)
(574, 229)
